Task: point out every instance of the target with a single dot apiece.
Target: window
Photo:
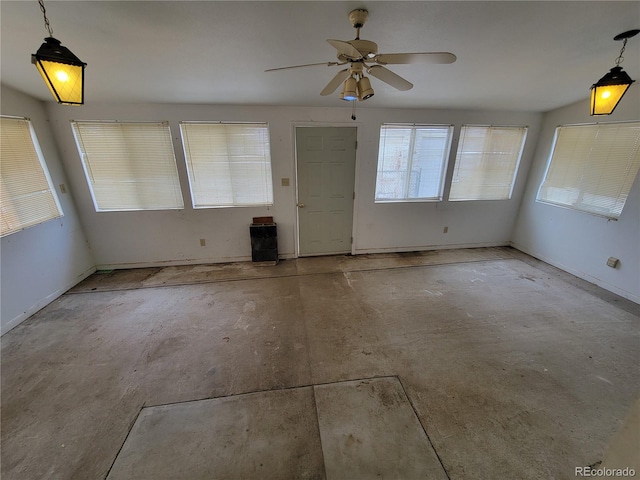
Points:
(487, 162)
(28, 197)
(412, 161)
(129, 166)
(592, 167)
(229, 164)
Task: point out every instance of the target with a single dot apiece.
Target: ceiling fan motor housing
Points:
(358, 17)
(366, 48)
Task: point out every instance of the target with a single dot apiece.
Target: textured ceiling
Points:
(515, 55)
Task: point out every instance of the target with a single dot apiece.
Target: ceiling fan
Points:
(362, 55)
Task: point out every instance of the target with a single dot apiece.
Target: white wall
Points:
(129, 239)
(578, 242)
(418, 226)
(40, 263)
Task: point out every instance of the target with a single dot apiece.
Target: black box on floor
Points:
(264, 242)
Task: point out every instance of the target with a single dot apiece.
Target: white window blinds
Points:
(229, 164)
(592, 167)
(412, 162)
(27, 195)
(129, 166)
(486, 162)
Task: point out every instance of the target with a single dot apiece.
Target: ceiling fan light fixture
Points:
(350, 90)
(364, 88)
(360, 55)
(607, 92)
(61, 70)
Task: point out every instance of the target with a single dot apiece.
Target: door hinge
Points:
(354, 195)
(352, 240)
(356, 144)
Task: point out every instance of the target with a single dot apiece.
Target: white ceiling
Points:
(515, 55)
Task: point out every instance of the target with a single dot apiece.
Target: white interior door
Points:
(326, 158)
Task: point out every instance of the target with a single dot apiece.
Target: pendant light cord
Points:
(620, 58)
(47, 25)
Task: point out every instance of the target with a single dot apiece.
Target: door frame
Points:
(301, 124)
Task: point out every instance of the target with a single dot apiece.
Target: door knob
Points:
(300, 205)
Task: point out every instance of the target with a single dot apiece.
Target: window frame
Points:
(516, 168)
(174, 203)
(193, 177)
(574, 207)
(443, 165)
(36, 155)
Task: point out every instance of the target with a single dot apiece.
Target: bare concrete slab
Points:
(76, 374)
(516, 369)
(369, 430)
(338, 349)
(511, 370)
(267, 435)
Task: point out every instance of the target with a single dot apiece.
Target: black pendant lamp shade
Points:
(607, 92)
(61, 70)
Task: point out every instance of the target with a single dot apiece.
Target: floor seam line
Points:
(415, 412)
(126, 437)
(276, 389)
(315, 408)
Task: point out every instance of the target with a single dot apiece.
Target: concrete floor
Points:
(458, 364)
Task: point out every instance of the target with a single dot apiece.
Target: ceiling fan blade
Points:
(335, 82)
(345, 49)
(328, 64)
(402, 58)
(389, 77)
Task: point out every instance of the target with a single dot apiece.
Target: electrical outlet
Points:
(203, 242)
(63, 188)
(285, 182)
(446, 230)
(612, 262)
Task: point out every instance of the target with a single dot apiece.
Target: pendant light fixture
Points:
(607, 92)
(61, 70)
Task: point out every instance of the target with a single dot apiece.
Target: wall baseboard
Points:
(423, 248)
(584, 276)
(178, 263)
(14, 322)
